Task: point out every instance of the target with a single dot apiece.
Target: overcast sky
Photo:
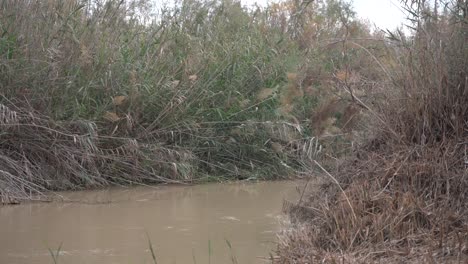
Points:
(385, 14)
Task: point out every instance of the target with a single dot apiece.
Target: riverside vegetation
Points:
(97, 93)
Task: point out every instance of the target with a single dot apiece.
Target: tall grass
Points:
(117, 92)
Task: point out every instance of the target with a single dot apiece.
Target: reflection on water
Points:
(184, 223)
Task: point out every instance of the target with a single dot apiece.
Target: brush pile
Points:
(403, 195)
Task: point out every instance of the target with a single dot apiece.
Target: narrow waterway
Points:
(186, 224)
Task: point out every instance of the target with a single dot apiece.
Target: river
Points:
(208, 223)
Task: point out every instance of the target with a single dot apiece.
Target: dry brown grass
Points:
(402, 196)
(38, 154)
(410, 205)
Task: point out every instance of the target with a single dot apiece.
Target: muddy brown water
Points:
(186, 224)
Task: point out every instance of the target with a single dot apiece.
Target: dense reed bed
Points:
(95, 93)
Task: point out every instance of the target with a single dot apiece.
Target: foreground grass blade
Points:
(233, 257)
(56, 254)
(153, 254)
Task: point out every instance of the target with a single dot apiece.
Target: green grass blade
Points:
(153, 254)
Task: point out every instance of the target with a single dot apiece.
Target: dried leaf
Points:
(265, 93)
(118, 100)
(175, 83)
(193, 77)
(291, 76)
(111, 116)
(342, 75)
